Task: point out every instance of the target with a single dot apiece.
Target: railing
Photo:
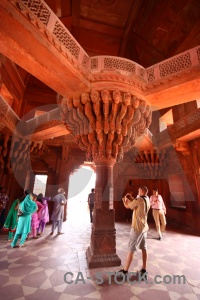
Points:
(123, 66)
(44, 119)
(174, 65)
(45, 18)
(8, 116)
(54, 30)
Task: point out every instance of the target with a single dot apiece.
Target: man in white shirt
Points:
(159, 211)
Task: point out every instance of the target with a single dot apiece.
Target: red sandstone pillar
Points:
(102, 249)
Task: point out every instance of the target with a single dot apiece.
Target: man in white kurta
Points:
(58, 211)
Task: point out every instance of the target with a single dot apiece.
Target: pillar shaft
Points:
(102, 249)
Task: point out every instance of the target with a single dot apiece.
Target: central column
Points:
(102, 249)
(106, 124)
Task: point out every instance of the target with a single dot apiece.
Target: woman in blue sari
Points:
(26, 208)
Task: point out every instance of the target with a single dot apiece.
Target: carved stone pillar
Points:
(102, 249)
(106, 124)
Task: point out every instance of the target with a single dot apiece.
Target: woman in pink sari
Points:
(35, 219)
(44, 214)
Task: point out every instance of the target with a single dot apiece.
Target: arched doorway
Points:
(80, 184)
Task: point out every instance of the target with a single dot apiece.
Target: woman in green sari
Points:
(26, 208)
(10, 224)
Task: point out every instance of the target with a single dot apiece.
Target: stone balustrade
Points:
(174, 65)
(9, 118)
(43, 18)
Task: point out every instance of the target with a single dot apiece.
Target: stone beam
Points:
(52, 132)
(168, 95)
(187, 128)
(31, 45)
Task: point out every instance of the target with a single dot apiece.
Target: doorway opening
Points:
(40, 184)
(80, 184)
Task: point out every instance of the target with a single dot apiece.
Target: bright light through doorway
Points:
(80, 185)
(40, 184)
(81, 182)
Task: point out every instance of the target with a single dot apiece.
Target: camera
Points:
(129, 197)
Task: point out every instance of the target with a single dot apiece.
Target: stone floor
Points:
(43, 267)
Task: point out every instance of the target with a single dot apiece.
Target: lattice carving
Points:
(142, 72)
(67, 40)
(106, 124)
(38, 9)
(150, 74)
(114, 63)
(94, 63)
(198, 54)
(39, 14)
(85, 61)
(179, 66)
(175, 65)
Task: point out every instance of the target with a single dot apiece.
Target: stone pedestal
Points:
(102, 249)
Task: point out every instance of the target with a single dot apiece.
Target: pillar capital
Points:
(106, 123)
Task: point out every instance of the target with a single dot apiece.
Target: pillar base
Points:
(102, 260)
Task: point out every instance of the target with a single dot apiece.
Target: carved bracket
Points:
(106, 123)
(183, 147)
